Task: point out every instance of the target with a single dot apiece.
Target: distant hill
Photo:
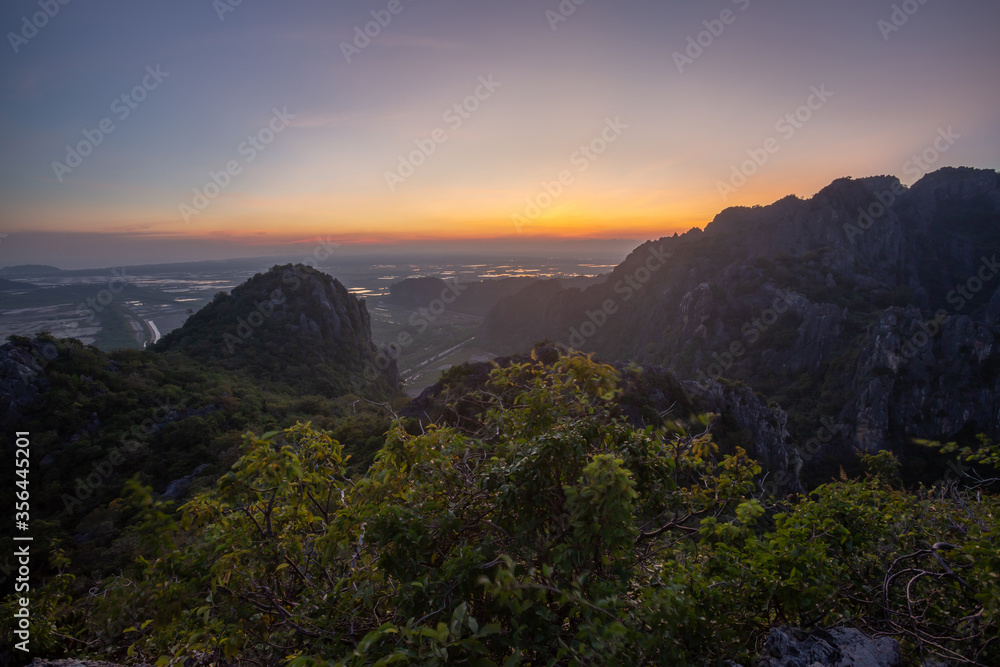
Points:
(292, 326)
(29, 270)
(870, 312)
(473, 298)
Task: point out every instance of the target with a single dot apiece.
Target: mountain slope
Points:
(870, 311)
(293, 326)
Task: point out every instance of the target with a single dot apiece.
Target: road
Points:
(156, 332)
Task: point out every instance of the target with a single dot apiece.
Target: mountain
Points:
(870, 312)
(290, 345)
(29, 270)
(292, 326)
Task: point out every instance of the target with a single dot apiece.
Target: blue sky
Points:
(891, 91)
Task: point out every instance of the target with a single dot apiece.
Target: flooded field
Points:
(133, 307)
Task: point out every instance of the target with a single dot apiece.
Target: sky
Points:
(135, 131)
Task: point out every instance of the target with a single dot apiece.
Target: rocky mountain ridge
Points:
(870, 311)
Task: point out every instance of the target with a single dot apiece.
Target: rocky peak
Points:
(292, 324)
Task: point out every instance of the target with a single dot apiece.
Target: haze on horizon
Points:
(462, 124)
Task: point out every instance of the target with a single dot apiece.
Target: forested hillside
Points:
(546, 529)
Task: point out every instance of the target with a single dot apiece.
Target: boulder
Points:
(836, 647)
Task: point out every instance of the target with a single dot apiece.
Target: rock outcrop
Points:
(22, 376)
(176, 489)
(837, 647)
(871, 306)
(43, 662)
(748, 421)
(292, 325)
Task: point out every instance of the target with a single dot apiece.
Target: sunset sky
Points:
(211, 75)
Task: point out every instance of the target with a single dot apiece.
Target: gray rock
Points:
(175, 489)
(837, 647)
(764, 426)
(42, 662)
(22, 379)
(877, 372)
(993, 310)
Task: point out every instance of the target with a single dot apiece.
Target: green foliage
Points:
(550, 532)
(986, 453)
(883, 466)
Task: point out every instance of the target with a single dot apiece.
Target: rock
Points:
(837, 647)
(762, 427)
(282, 325)
(840, 318)
(993, 310)
(42, 662)
(22, 379)
(695, 308)
(175, 489)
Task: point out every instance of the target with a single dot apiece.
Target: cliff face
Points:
(22, 377)
(869, 311)
(293, 325)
